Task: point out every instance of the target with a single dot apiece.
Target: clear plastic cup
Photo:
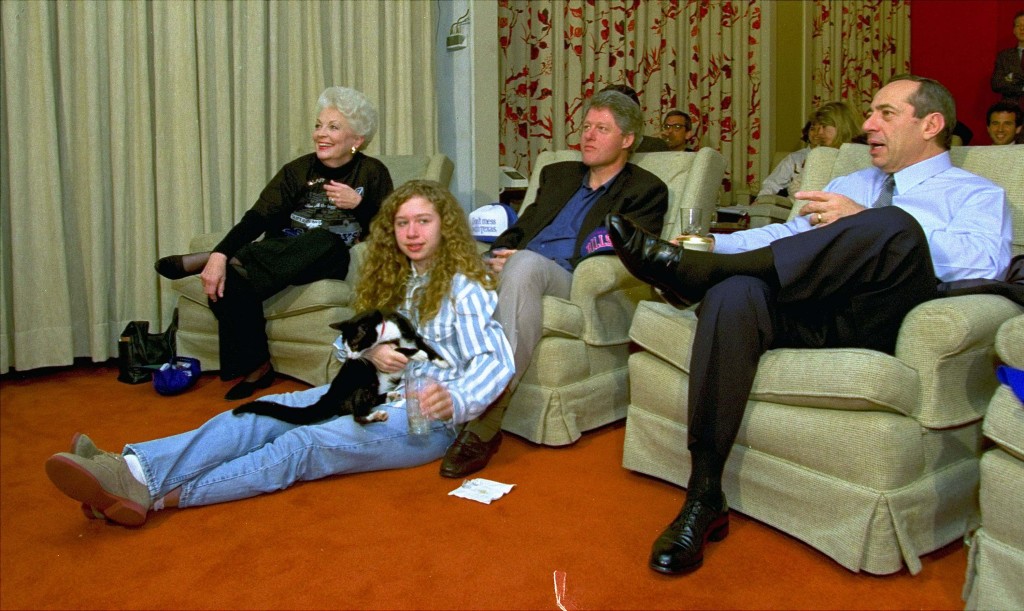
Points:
(414, 385)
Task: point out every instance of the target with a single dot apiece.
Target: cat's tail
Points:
(294, 415)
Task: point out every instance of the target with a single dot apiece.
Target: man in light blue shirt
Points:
(861, 255)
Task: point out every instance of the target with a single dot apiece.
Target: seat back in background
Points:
(404, 168)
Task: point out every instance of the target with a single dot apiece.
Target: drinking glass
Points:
(414, 385)
(691, 221)
(691, 229)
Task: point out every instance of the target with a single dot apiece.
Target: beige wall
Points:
(467, 92)
(789, 73)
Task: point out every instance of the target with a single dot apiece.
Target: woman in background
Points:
(310, 213)
(422, 262)
(833, 124)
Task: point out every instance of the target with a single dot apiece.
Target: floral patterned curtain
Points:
(856, 47)
(699, 56)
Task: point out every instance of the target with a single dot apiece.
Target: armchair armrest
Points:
(1010, 342)
(768, 209)
(357, 256)
(773, 200)
(950, 344)
(607, 295)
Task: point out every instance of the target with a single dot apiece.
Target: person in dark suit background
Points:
(1008, 73)
(565, 224)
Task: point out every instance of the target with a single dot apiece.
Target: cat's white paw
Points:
(377, 416)
(442, 364)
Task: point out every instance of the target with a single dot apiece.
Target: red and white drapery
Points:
(701, 56)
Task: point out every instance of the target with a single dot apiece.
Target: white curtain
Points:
(127, 127)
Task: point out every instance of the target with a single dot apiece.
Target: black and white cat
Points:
(358, 387)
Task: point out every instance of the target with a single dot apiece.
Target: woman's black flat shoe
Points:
(180, 266)
(245, 389)
(172, 267)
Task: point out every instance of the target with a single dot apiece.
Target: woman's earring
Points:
(354, 149)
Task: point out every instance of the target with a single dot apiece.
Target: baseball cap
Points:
(490, 221)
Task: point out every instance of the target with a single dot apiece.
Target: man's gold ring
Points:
(819, 218)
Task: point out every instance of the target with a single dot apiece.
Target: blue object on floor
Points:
(1014, 378)
(176, 376)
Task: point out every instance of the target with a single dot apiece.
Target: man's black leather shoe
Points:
(680, 549)
(647, 257)
(468, 454)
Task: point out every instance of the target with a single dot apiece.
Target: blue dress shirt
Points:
(557, 241)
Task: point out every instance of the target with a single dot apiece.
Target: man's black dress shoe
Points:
(245, 389)
(468, 454)
(680, 549)
(647, 257)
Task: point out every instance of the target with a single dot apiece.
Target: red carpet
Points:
(391, 540)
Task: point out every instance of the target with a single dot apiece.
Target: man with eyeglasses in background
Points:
(676, 130)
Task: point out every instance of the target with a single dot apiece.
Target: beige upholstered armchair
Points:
(577, 379)
(297, 317)
(772, 208)
(996, 563)
(874, 464)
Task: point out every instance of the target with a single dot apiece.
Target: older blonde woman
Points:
(310, 213)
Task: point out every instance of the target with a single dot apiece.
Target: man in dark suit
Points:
(1008, 74)
(564, 225)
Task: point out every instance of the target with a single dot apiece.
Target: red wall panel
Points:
(955, 42)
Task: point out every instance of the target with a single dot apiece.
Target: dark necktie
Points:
(885, 197)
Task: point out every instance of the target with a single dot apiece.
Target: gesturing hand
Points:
(823, 207)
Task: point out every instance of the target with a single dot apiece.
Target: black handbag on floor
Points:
(140, 352)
